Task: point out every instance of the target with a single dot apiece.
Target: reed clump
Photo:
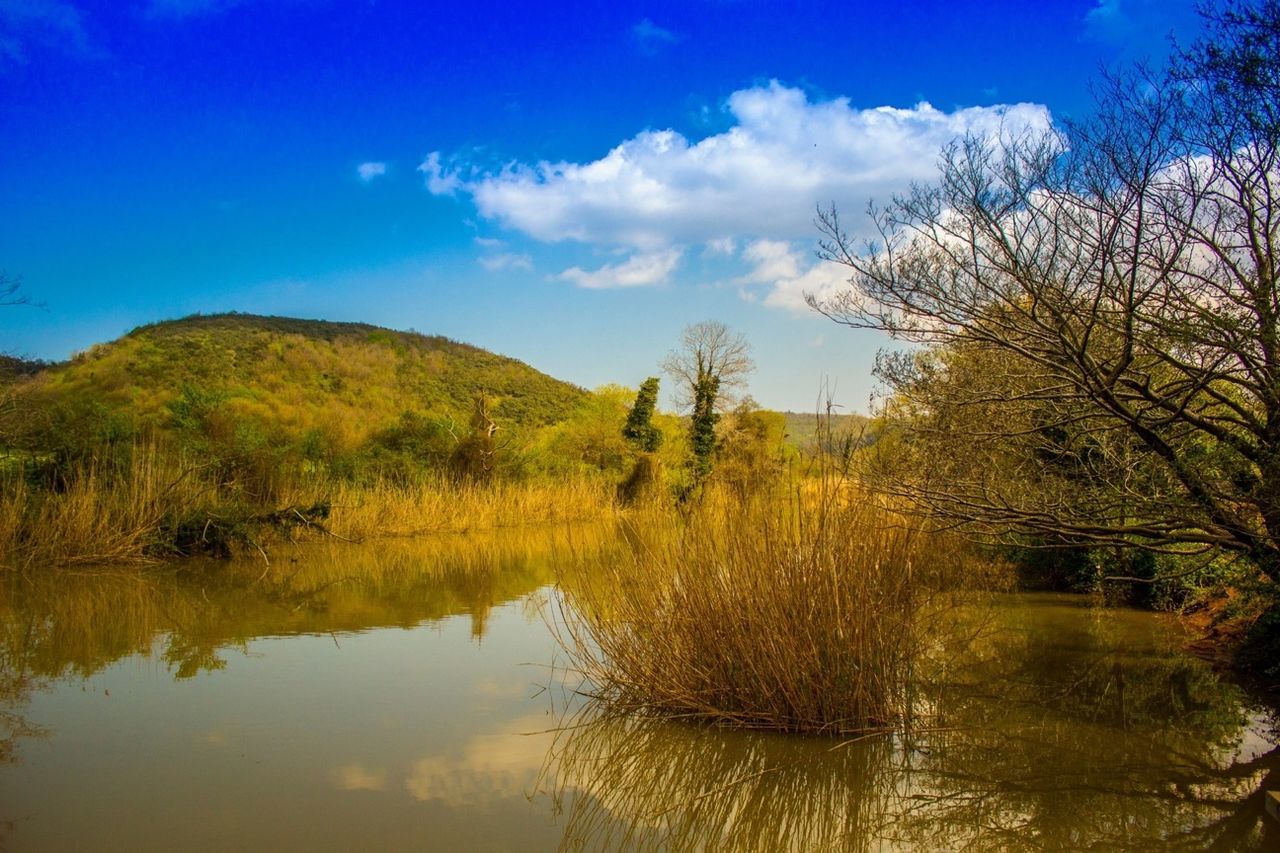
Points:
(98, 514)
(804, 616)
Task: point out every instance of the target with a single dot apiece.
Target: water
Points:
(410, 696)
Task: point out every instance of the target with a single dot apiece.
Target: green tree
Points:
(702, 426)
(639, 428)
(711, 364)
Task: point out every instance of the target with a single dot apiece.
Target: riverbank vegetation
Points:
(1092, 308)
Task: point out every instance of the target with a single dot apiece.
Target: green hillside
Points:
(293, 377)
(802, 429)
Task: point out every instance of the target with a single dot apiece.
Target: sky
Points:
(568, 184)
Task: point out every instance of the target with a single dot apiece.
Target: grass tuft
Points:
(806, 617)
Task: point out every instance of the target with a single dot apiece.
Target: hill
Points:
(802, 429)
(291, 376)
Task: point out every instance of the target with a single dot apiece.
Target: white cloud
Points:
(747, 194)
(762, 178)
(637, 271)
(722, 246)
(369, 171)
(506, 261)
(651, 38)
(782, 268)
(439, 180)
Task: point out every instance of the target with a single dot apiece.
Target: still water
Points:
(410, 695)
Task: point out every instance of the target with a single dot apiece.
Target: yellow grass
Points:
(388, 509)
(129, 518)
(95, 518)
(805, 617)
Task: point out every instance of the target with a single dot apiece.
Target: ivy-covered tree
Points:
(702, 426)
(639, 429)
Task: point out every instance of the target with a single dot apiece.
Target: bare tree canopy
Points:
(1099, 311)
(709, 350)
(11, 290)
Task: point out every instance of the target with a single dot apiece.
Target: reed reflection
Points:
(1059, 728)
(634, 782)
(64, 625)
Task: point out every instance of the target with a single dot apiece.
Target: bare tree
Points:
(709, 350)
(11, 290)
(1099, 312)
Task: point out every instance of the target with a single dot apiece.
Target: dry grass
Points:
(130, 518)
(806, 617)
(95, 518)
(439, 506)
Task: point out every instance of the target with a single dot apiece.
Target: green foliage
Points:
(350, 380)
(639, 429)
(702, 426)
(413, 443)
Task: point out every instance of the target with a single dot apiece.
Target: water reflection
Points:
(382, 704)
(1065, 728)
(72, 625)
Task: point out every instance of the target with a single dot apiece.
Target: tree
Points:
(475, 457)
(639, 428)
(709, 349)
(1096, 311)
(702, 426)
(11, 290)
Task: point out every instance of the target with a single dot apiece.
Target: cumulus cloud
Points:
(369, 171)
(722, 246)
(754, 186)
(789, 275)
(638, 270)
(762, 177)
(440, 180)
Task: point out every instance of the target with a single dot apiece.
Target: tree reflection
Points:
(72, 625)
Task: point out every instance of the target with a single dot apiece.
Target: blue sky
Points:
(567, 184)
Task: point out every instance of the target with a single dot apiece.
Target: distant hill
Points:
(297, 375)
(802, 429)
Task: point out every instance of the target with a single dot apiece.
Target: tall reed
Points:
(805, 616)
(440, 504)
(97, 515)
(144, 507)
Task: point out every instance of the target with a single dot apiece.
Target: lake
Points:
(412, 695)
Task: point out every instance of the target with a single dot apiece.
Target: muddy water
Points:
(410, 696)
